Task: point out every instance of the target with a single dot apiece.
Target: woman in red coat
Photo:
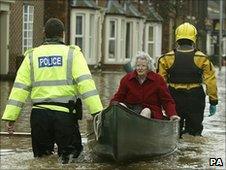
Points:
(145, 91)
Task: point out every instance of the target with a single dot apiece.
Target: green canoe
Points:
(123, 135)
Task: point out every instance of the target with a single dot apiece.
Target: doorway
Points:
(4, 42)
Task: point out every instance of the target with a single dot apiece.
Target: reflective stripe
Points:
(89, 94)
(32, 68)
(22, 86)
(69, 63)
(15, 103)
(60, 99)
(53, 83)
(83, 77)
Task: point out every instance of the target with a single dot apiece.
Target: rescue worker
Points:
(185, 69)
(54, 75)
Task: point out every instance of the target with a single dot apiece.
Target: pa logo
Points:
(216, 162)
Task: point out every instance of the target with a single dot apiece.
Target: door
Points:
(4, 42)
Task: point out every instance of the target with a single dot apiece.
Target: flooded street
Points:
(192, 153)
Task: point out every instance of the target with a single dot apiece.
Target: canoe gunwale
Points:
(134, 113)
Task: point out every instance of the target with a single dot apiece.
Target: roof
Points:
(214, 9)
(113, 7)
(131, 10)
(152, 14)
(84, 4)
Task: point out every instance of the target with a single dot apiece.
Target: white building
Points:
(114, 33)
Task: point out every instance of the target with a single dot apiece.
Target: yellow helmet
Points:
(186, 31)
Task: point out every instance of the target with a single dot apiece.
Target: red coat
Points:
(153, 93)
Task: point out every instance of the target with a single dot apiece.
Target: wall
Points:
(15, 35)
(58, 9)
(16, 28)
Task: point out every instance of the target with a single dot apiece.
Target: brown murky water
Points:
(192, 152)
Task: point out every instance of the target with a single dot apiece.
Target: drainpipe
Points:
(220, 34)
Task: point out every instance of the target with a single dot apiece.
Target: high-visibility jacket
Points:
(53, 73)
(166, 61)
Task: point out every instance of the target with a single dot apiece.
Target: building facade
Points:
(21, 28)
(109, 32)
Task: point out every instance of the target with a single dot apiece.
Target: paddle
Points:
(25, 134)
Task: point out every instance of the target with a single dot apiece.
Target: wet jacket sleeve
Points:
(120, 95)
(209, 78)
(19, 92)
(166, 99)
(85, 85)
(164, 63)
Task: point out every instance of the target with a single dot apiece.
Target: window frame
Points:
(129, 50)
(91, 48)
(136, 42)
(151, 42)
(157, 39)
(123, 37)
(224, 46)
(91, 36)
(112, 38)
(29, 28)
(82, 29)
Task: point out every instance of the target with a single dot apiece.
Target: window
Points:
(79, 24)
(129, 39)
(91, 36)
(85, 33)
(115, 38)
(138, 35)
(151, 41)
(213, 41)
(112, 40)
(224, 47)
(122, 38)
(28, 18)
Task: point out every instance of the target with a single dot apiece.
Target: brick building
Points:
(109, 32)
(21, 27)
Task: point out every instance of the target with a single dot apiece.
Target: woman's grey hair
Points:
(145, 56)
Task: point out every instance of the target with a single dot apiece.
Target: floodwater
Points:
(192, 153)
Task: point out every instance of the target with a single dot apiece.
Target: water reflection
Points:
(192, 152)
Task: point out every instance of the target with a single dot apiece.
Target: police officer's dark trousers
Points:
(190, 105)
(49, 127)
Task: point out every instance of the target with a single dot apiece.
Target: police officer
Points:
(186, 69)
(54, 75)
